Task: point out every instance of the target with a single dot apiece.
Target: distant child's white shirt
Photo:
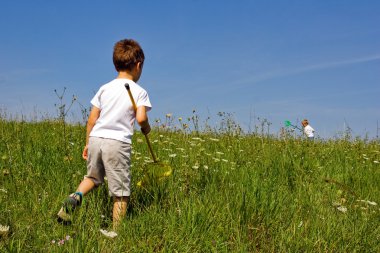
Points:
(117, 115)
(309, 131)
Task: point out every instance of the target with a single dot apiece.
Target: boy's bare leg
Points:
(85, 186)
(119, 210)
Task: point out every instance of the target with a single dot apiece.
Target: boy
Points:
(110, 130)
(307, 129)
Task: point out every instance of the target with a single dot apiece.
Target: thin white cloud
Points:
(24, 72)
(339, 63)
(322, 97)
(18, 75)
(298, 70)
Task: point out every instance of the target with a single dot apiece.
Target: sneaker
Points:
(68, 207)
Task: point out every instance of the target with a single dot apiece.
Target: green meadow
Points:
(229, 192)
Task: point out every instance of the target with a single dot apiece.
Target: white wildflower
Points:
(342, 209)
(224, 160)
(205, 166)
(376, 161)
(147, 160)
(219, 153)
(4, 230)
(196, 166)
(368, 202)
(213, 139)
(109, 234)
(3, 190)
(172, 155)
(339, 207)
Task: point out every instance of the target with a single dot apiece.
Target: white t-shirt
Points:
(309, 131)
(117, 115)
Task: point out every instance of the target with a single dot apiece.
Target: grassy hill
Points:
(228, 193)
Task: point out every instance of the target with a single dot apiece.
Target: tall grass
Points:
(228, 193)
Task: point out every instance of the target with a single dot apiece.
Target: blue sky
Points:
(276, 60)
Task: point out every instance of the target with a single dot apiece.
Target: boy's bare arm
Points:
(142, 119)
(94, 115)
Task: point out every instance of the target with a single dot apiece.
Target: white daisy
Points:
(4, 230)
(109, 234)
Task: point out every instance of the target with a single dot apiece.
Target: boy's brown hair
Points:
(305, 122)
(126, 54)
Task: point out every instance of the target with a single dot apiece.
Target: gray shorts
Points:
(110, 158)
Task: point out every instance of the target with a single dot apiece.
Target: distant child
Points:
(307, 129)
(109, 133)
